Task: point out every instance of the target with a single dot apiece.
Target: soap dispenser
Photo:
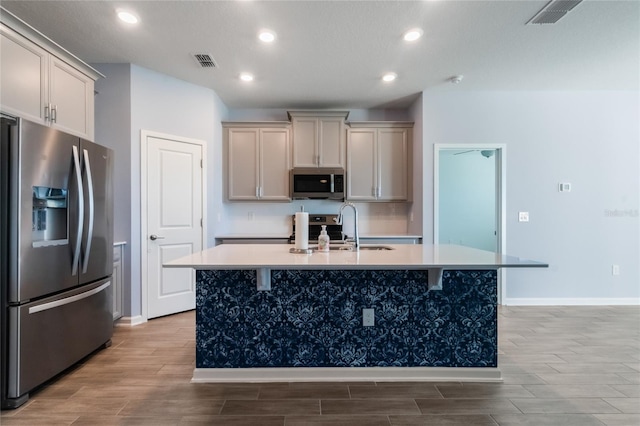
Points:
(323, 240)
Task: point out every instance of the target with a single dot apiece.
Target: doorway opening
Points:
(469, 198)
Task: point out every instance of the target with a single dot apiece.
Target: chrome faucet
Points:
(356, 237)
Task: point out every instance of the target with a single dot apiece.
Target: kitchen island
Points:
(414, 312)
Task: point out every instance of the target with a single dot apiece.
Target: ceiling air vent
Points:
(205, 60)
(553, 11)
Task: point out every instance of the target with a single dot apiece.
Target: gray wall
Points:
(589, 139)
(417, 223)
(112, 129)
(133, 99)
(164, 104)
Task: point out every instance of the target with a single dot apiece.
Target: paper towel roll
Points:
(302, 230)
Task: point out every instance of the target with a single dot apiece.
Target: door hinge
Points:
(201, 163)
(200, 222)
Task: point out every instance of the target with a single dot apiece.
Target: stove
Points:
(315, 226)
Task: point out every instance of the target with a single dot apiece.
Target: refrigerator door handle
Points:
(87, 250)
(76, 254)
(67, 300)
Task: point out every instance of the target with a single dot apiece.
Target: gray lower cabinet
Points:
(117, 279)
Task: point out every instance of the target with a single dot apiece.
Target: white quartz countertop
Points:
(254, 236)
(403, 256)
(282, 236)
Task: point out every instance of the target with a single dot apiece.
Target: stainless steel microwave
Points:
(317, 184)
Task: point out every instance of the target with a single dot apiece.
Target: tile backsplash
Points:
(275, 218)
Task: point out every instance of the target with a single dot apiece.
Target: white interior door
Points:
(174, 222)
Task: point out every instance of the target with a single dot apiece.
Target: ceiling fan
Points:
(487, 153)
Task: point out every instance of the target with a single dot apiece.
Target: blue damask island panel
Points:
(313, 318)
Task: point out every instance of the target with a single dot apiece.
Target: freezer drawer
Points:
(50, 335)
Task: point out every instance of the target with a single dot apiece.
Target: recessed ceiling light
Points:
(390, 76)
(267, 36)
(127, 16)
(413, 34)
(245, 76)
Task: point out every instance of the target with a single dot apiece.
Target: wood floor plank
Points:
(467, 406)
(232, 421)
(337, 420)
(564, 406)
(305, 391)
(272, 407)
(485, 390)
(443, 420)
(40, 420)
(619, 419)
(170, 408)
(369, 406)
(547, 420)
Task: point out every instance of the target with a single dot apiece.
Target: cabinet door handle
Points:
(46, 112)
(54, 114)
(261, 192)
(374, 191)
(257, 192)
(379, 194)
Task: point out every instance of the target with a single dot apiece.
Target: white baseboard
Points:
(345, 374)
(571, 301)
(130, 321)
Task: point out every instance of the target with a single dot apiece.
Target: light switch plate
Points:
(615, 269)
(564, 187)
(523, 217)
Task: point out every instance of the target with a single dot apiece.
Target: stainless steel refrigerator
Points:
(56, 247)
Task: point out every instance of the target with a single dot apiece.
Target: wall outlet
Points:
(368, 318)
(523, 217)
(615, 269)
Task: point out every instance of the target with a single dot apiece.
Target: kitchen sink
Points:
(362, 248)
(381, 248)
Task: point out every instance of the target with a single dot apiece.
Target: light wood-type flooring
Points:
(561, 366)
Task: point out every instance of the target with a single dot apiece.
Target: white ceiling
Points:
(331, 54)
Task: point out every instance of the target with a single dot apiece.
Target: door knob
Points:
(154, 237)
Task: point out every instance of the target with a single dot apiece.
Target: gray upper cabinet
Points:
(379, 161)
(318, 138)
(41, 82)
(258, 161)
